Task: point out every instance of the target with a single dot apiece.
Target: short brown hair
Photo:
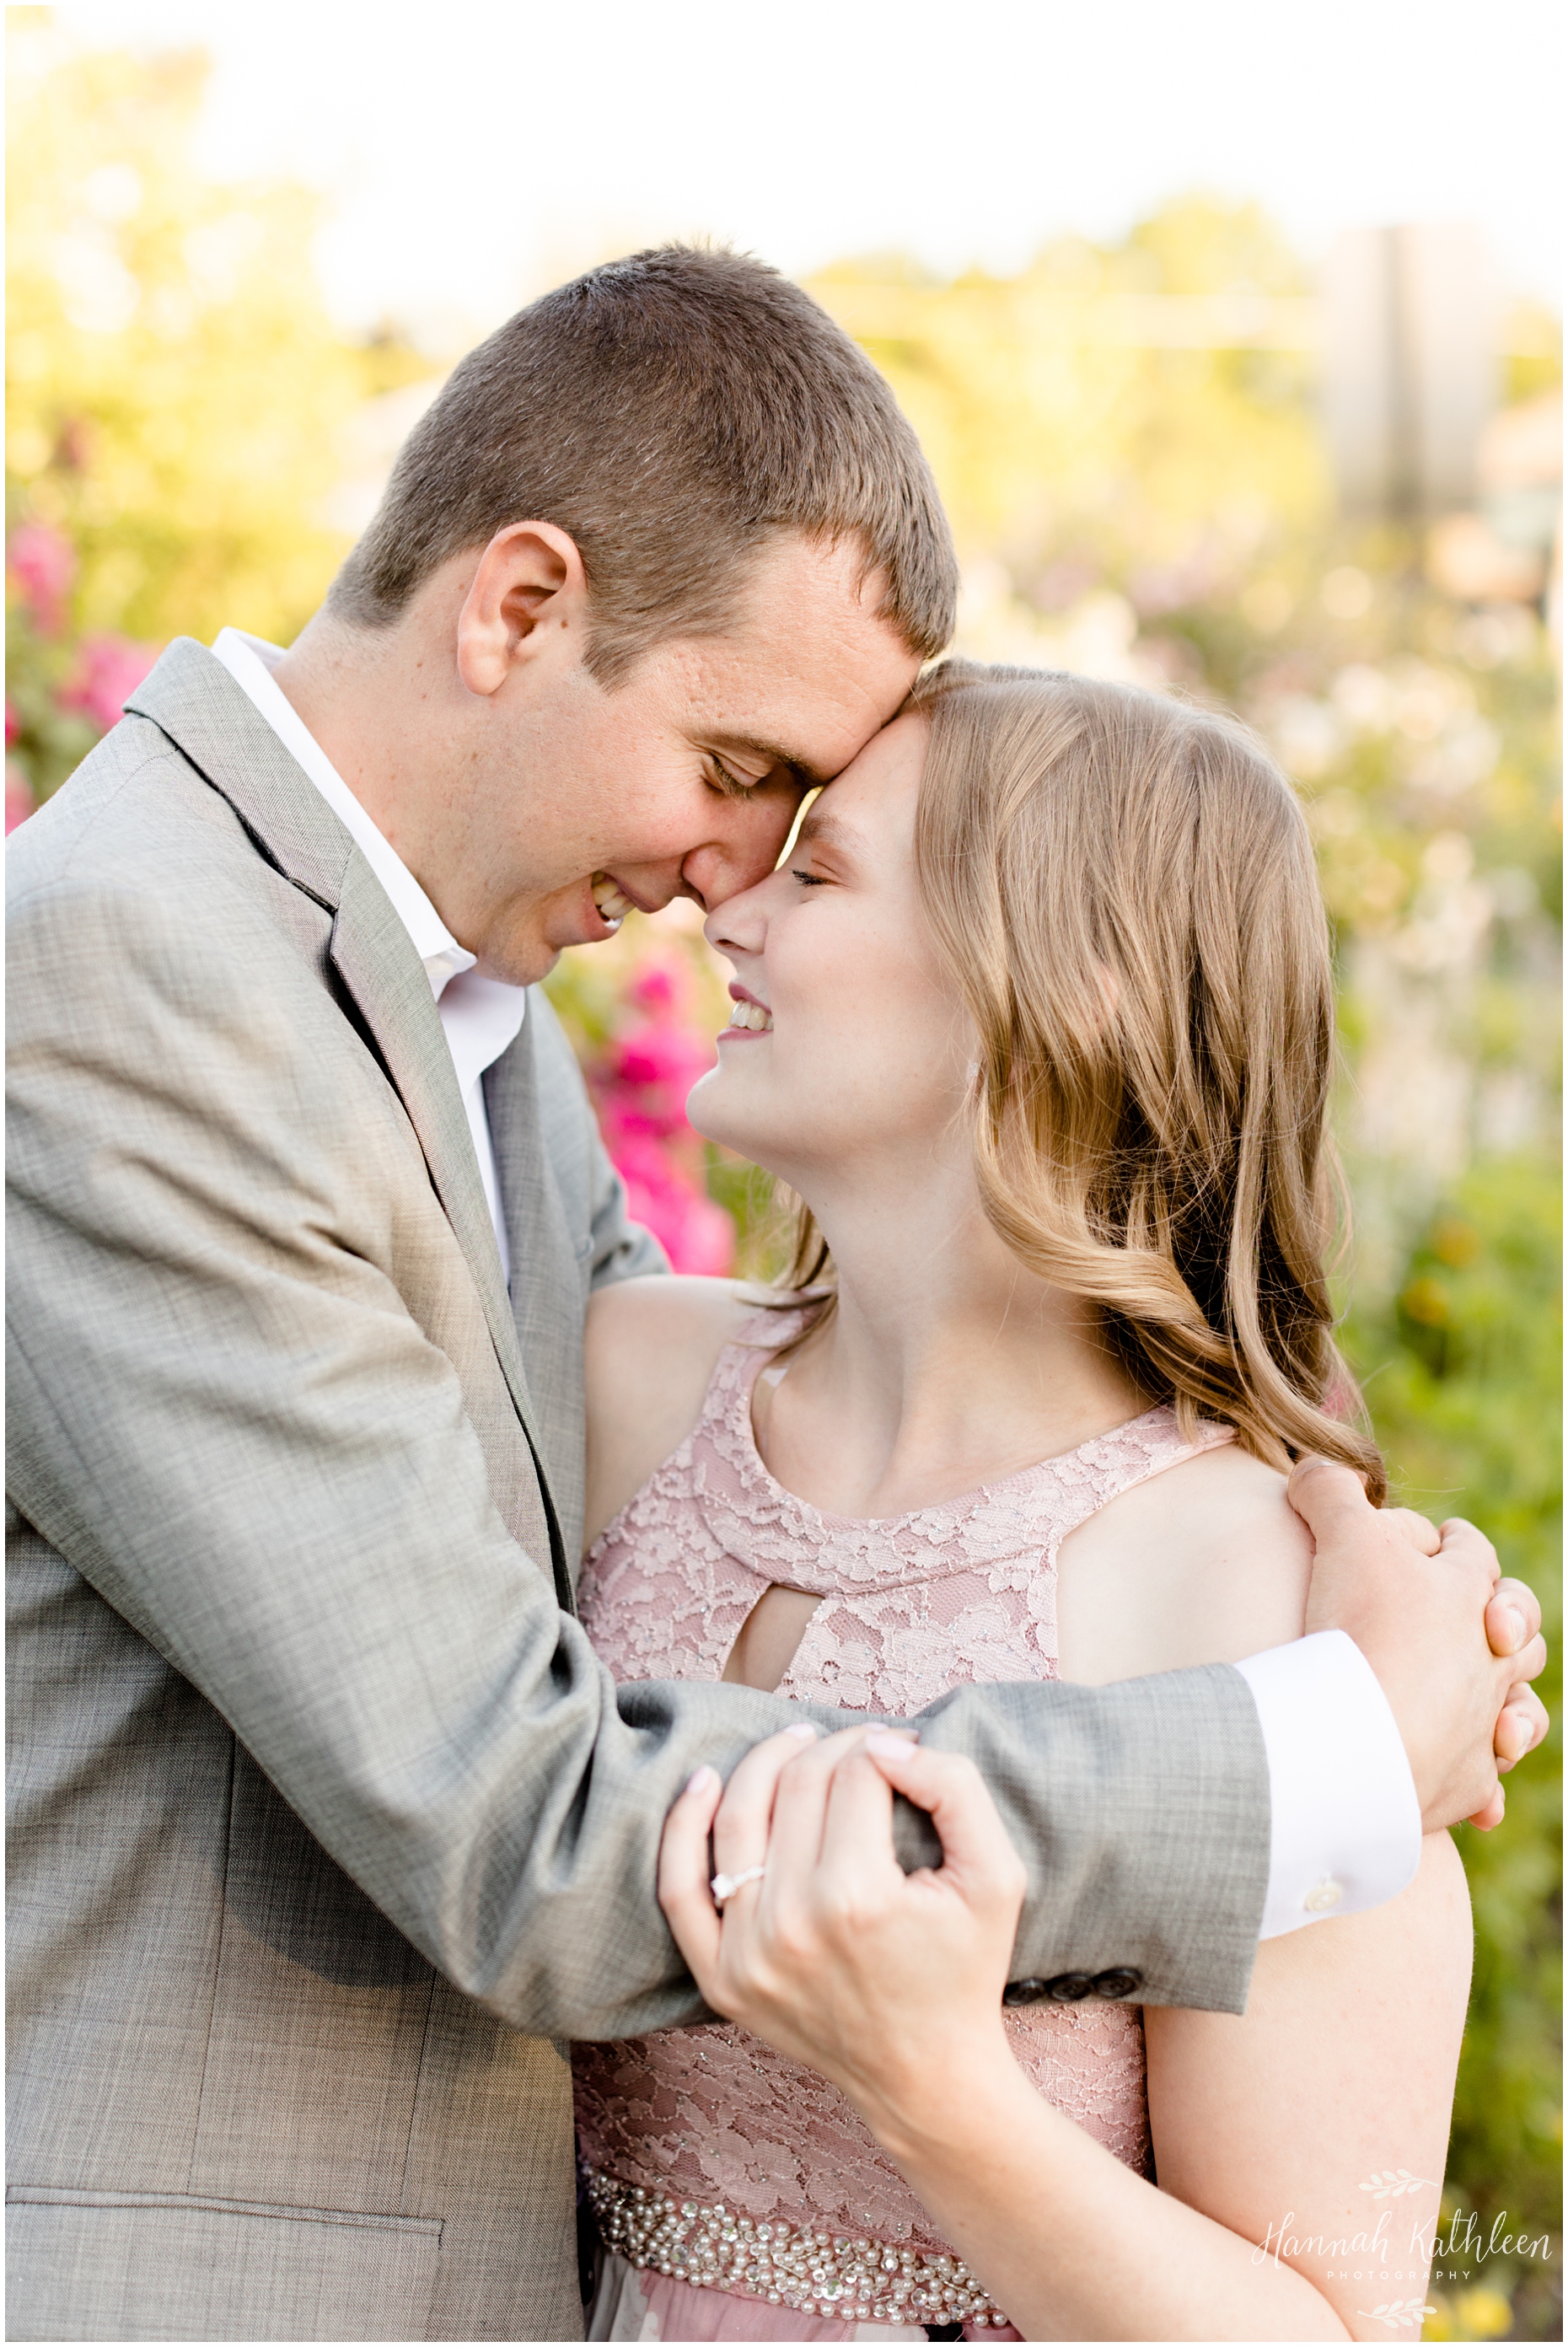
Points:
(671, 413)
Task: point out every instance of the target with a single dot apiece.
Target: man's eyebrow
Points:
(810, 777)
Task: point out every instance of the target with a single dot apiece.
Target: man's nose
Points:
(744, 853)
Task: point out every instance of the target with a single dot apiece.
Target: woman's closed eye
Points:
(808, 879)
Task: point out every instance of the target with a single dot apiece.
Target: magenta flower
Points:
(660, 989)
(696, 1235)
(43, 562)
(659, 1065)
(107, 672)
(641, 1085)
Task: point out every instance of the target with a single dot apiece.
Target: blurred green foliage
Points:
(1461, 1361)
(174, 386)
(1133, 494)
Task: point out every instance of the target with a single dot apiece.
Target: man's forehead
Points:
(811, 725)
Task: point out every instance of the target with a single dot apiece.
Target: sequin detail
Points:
(713, 2248)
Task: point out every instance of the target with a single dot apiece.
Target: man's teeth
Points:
(613, 907)
(752, 1015)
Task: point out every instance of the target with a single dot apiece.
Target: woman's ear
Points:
(527, 602)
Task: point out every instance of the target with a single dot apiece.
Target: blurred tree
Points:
(1462, 1361)
(174, 386)
(1086, 426)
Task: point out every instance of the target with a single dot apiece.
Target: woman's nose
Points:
(739, 926)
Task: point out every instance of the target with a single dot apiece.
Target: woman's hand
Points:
(888, 1984)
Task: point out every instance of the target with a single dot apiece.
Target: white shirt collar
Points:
(250, 661)
(480, 1017)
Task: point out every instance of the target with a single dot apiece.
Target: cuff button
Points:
(1324, 1897)
(1024, 1991)
(1070, 1988)
(1123, 1981)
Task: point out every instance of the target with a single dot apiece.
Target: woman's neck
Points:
(945, 1365)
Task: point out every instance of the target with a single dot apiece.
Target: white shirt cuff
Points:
(1345, 1825)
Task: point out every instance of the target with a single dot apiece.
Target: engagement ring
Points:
(724, 1886)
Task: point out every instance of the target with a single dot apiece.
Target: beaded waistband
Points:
(859, 2281)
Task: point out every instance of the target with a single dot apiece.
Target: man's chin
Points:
(524, 958)
(529, 949)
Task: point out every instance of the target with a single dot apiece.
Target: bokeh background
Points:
(1236, 356)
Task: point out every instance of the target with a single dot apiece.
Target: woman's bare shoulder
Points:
(1204, 1563)
(649, 1352)
(668, 1307)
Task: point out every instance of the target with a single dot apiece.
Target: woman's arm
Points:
(1279, 2126)
(1353, 2026)
(891, 1986)
(1272, 2135)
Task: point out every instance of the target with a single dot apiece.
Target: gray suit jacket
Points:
(326, 1825)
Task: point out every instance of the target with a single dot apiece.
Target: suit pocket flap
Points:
(162, 2265)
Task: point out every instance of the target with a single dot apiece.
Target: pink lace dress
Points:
(739, 2193)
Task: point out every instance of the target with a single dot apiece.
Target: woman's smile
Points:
(833, 964)
(748, 1018)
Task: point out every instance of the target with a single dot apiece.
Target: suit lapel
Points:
(374, 958)
(192, 699)
(547, 1297)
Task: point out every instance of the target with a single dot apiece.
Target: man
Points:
(326, 1823)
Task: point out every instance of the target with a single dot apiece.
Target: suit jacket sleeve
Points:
(223, 1414)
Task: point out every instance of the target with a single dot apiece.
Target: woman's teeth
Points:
(752, 1015)
(613, 905)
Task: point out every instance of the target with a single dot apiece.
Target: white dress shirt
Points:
(1345, 1825)
(481, 1016)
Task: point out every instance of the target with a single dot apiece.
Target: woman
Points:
(1036, 1022)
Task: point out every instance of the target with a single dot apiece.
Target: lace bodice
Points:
(911, 1605)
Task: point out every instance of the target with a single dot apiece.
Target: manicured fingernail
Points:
(892, 1739)
(701, 1780)
(805, 1729)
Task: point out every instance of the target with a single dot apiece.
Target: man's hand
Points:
(1453, 1645)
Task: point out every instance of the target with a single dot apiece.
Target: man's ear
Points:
(529, 597)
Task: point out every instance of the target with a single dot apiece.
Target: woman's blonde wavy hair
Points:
(1122, 890)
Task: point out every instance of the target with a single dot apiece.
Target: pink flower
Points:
(18, 798)
(696, 1235)
(640, 1085)
(657, 988)
(644, 1081)
(43, 562)
(670, 1058)
(13, 724)
(107, 673)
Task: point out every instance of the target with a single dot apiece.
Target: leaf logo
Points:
(1393, 2183)
(1399, 2313)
